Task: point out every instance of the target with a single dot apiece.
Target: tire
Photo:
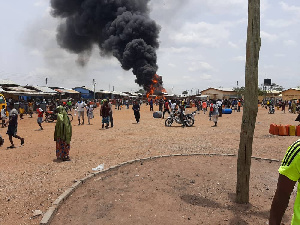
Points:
(70, 117)
(49, 119)
(168, 122)
(189, 122)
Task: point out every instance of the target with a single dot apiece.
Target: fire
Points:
(155, 86)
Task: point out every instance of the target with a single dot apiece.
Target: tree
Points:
(239, 91)
(250, 106)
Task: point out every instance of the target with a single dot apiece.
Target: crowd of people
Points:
(288, 171)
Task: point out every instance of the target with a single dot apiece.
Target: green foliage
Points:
(184, 92)
(239, 91)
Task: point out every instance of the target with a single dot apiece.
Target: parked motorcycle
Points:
(50, 116)
(188, 119)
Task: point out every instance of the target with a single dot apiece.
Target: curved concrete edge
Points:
(49, 215)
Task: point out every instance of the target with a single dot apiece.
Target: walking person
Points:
(104, 112)
(62, 134)
(90, 112)
(13, 126)
(136, 111)
(40, 113)
(215, 113)
(3, 116)
(80, 105)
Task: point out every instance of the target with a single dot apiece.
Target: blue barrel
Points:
(226, 111)
(157, 114)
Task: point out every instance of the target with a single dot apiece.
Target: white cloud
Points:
(206, 76)
(280, 23)
(208, 34)
(279, 55)
(199, 66)
(175, 50)
(290, 43)
(290, 8)
(268, 36)
(172, 65)
(239, 58)
(233, 45)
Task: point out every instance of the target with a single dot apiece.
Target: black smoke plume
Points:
(121, 28)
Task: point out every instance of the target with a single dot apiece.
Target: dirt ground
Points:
(202, 190)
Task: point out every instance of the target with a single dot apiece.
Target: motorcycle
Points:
(50, 116)
(188, 119)
(271, 109)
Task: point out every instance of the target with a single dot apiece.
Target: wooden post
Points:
(250, 107)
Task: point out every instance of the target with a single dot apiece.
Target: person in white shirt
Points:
(3, 116)
(80, 105)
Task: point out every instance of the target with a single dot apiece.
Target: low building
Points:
(219, 93)
(292, 93)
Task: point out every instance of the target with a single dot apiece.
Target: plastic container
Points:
(283, 130)
(276, 130)
(272, 128)
(298, 130)
(226, 111)
(292, 131)
(157, 114)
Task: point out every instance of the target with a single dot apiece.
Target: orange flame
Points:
(155, 87)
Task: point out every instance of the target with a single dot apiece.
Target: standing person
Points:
(239, 106)
(151, 104)
(211, 109)
(3, 116)
(173, 106)
(90, 112)
(80, 105)
(293, 107)
(166, 109)
(160, 105)
(69, 104)
(30, 108)
(62, 134)
(204, 106)
(136, 111)
(215, 113)
(13, 126)
(40, 112)
(104, 112)
(283, 106)
(111, 119)
(21, 109)
(289, 174)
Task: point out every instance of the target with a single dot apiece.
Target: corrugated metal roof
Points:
(44, 89)
(6, 82)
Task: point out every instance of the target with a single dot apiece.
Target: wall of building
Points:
(290, 94)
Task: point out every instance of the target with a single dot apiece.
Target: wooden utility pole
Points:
(251, 102)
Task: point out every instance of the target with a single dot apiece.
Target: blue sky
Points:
(202, 44)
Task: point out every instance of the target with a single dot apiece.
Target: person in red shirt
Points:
(166, 109)
(40, 112)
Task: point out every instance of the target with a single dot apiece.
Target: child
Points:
(40, 112)
(3, 116)
(90, 113)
